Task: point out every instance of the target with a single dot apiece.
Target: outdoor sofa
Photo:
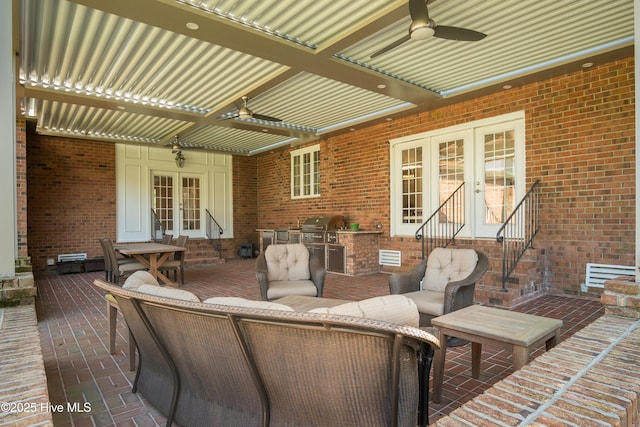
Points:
(238, 362)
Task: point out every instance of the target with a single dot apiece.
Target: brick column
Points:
(621, 297)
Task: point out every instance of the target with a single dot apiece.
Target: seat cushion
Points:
(243, 302)
(396, 309)
(281, 288)
(428, 302)
(162, 291)
(287, 262)
(448, 265)
(139, 278)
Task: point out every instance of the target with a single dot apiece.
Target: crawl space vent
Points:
(391, 258)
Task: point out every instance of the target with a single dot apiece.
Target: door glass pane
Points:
(412, 186)
(163, 200)
(190, 203)
(499, 176)
(450, 177)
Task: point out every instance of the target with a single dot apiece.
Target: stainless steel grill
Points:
(321, 229)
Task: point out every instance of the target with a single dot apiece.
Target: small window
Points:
(305, 172)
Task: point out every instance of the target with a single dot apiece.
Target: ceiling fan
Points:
(245, 113)
(422, 27)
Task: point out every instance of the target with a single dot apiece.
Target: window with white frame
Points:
(305, 172)
(486, 155)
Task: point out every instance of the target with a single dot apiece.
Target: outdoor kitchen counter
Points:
(360, 248)
(361, 251)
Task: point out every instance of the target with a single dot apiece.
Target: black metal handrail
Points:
(157, 226)
(211, 225)
(443, 231)
(517, 233)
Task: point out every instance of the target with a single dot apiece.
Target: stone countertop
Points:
(359, 231)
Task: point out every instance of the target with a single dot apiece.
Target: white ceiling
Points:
(132, 70)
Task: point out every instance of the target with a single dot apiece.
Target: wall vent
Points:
(391, 258)
(72, 257)
(597, 274)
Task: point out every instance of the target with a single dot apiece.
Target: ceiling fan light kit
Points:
(421, 30)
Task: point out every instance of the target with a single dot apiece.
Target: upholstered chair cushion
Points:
(282, 288)
(396, 309)
(448, 265)
(162, 291)
(243, 302)
(287, 262)
(428, 302)
(139, 278)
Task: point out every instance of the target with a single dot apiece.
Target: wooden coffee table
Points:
(517, 332)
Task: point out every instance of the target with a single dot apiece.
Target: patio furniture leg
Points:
(112, 316)
(438, 367)
(476, 353)
(132, 351)
(424, 369)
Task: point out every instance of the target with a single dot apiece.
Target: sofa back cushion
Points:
(396, 309)
(287, 262)
(162, 291)
(243, 302)
(139, 278)
(448, 265)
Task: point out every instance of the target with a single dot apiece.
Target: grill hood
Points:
(323, 223)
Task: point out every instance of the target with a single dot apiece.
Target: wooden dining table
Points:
(152, 255)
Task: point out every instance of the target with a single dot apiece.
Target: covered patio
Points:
(73, 332)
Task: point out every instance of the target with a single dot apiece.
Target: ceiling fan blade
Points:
(265, 118)
(418, 10)
(456, 33)
(393, 45)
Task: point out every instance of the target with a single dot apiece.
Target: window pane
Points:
(412, 186)
(305, 172)
(316, 172)
(295, 172)
(499, 176)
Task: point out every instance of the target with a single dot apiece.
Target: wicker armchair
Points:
(289, 270)
(455, 270)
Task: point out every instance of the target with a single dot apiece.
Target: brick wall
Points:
(245, 200)
(72, 196)
(579, 142)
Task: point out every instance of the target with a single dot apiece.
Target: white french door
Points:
(498, 174)
(177, 201)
